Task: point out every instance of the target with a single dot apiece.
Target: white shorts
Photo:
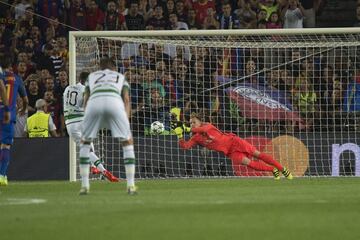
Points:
(74, 131)
(106, 112)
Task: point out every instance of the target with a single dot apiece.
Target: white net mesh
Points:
(293, 96)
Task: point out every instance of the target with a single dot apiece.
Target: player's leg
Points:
(129, 161)
(91, 125)
(7, 134)
(241, 158)
(96, 166)
(119, 125)
(85, 166)
(95, 160)
(270, 160)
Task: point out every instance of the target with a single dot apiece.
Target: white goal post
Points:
(290, 92)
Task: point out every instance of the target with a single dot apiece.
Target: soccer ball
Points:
(157, 127)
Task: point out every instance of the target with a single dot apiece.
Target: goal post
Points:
(290, 92)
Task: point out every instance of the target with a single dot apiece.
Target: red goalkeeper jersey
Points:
(212, 138)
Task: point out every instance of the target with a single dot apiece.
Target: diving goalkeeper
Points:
(237, 149)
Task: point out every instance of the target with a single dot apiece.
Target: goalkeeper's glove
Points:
(177, 128)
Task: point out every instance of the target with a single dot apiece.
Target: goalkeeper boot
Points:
(132, 190)
(287, 173)
(276, 174)
(94, 170)
(110, 177)
(84, 191)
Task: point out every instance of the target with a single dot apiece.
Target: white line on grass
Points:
(22, 201)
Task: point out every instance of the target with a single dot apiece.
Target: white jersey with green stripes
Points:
(106, 83)
(73, 98)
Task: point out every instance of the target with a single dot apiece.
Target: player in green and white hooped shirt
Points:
(107, 105)
(73, 98)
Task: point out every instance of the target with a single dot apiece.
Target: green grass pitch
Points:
(305, 208)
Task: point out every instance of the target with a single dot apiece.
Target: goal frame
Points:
(164, 33)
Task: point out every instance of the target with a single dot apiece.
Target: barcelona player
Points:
(237, 149)
(14, 86)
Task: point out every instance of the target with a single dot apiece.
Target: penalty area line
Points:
(22, 201)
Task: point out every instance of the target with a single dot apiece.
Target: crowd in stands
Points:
(35, 33)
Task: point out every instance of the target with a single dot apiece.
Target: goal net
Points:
(294, 94)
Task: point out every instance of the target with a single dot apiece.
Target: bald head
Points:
(40, 104)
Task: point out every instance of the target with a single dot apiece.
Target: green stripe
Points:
(84, 160)
(72, 116)
(129, 161)
(105, 90)
(97, 162)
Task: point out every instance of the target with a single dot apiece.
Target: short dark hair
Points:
(83, 76)
(106, 62)
(5, 61)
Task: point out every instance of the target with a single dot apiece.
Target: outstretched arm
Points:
(188, 144)
(203, 129)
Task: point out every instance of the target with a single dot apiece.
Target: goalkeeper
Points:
(237, 149)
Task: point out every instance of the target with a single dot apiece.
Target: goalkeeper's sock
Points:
(96, 161)
(129, 160)
(5, 159)
(270, 160)
(257, 165)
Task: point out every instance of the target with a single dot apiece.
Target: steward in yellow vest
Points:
(40, 124)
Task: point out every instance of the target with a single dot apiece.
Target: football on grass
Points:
(157, 127)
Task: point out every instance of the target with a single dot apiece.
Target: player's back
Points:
(14, 86)
(73, 98)
(106, 83)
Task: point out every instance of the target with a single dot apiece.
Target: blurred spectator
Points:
(245, 14)
(201, 8)
(310, 9)
(158, 21)
(50, 8)
(261, 16)
(93, 15)
(63, 83)
(352, 96)
(293, 14)
(113, 20)
(61, 48)
(76, 10)
(357, 23)
(34, 94)
(155, 110)
(55, 109)
(52, 51)
(150, 82)
(211, 21)
(181, 11)
(191, 20)
(227, 19)
(274, 21)
(20, 7)
(269, 6)
(122, 9)
(169, 8)
(20, 119)
(175, 24)
(134, 21)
